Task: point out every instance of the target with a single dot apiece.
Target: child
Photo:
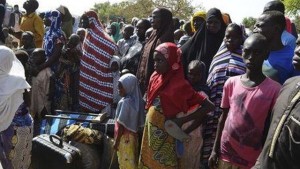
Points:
(192, 148)
(125, 43)
(226, 63)
(247, 101)
(27, 41)
(40, 104)
(23, 57)
(68, 75)
(129, 118)
(81, 32)
(115, 68)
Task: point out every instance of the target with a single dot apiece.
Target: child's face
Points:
(232, 39)
(254, 53)
(81, 34)
(161, 64)
(26, 40)
(72, 43)
(114, 67)
(194, 75)
(37, 58)
(122, 91)
(127, 33)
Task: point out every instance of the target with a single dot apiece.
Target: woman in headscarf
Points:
(67, 20)
(15, 120)
(168, 95)
(197, 19)
(96, 81)
(54, 41)
(206, 41)
(162, 24)
(115, 32)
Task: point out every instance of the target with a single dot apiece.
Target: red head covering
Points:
(176, 94)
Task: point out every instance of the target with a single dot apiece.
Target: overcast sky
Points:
(238, 9)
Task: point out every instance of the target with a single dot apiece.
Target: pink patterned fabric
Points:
(96, 81)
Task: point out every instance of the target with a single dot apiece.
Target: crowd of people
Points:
(194, 94)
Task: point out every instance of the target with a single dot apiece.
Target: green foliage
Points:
(249, 22)
(292, 7)
(143, 8)
(297, 23)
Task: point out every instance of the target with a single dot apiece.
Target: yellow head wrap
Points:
(201, 14)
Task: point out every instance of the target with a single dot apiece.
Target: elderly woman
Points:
(96, 80)
(162, 24)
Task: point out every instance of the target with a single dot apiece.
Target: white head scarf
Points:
(130, 110)
(12, 85)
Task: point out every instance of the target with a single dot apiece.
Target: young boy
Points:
(192, 148)
(246, 103)
(40, 104)
(125, 43)
(27, 41)
(68, 75)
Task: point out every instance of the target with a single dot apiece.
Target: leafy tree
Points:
(297, 23)
(249, 22)
(143, 8)
(292, 7)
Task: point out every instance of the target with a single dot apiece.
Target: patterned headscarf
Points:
(53, 33)
(96, 82)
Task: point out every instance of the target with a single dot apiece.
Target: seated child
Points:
(40, 103)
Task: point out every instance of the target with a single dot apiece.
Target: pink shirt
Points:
(241, 140)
